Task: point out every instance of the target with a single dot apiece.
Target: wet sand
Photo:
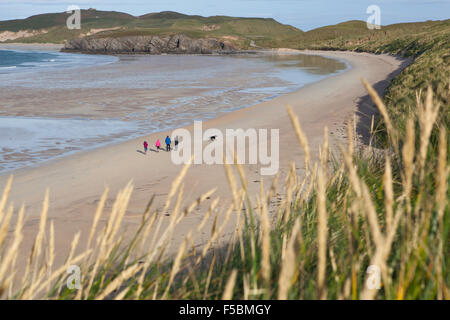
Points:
(77, 182)
(31, 46)
(147, 93)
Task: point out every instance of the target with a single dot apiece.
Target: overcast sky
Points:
(303, 14)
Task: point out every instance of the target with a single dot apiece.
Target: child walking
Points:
(145, 146)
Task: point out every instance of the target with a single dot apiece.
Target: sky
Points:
(303, 14)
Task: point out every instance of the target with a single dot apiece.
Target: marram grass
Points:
(387, 209)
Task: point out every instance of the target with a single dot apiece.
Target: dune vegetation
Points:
(383, 209)
(426, 42)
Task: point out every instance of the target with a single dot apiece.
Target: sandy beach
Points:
(76, 182)
(31, 46)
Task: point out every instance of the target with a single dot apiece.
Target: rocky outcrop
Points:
(176, 44)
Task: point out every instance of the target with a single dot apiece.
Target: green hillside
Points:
(239, 31)
(402, 38)
(93, 18)
(428, 42)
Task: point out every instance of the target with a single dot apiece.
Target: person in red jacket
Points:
(145, 146)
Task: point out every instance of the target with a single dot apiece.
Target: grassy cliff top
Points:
(242, 32)
(394, 38)
(239, 30)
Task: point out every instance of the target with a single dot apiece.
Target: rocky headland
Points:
(150, 44)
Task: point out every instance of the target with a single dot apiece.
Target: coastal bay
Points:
(76, 182)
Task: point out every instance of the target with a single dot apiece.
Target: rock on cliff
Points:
(148, 44)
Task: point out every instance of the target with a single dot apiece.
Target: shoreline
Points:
(77, 182)
(140, 132)
(30, 46)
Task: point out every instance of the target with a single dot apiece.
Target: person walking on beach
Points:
(158, 144)
(168, 142)
(176, 143)
(145, 146)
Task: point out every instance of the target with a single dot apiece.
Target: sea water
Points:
(13, 61)
(195, 87)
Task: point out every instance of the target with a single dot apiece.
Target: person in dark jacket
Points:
(168, 142)
(176, 143)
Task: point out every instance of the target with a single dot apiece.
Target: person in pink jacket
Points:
(158, 144)
(145, 146)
